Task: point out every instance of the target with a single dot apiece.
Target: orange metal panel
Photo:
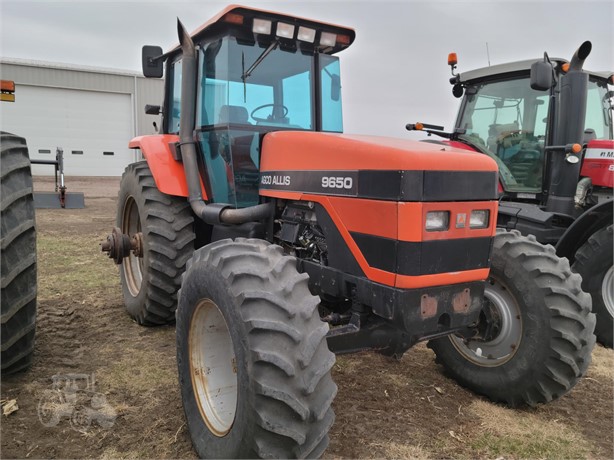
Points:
(441, 279)
(371, 217)
(293, 150)
(168, 173)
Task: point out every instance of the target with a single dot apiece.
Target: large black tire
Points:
(594, 262)
(274, 355)
(535, 336)
(18, 258)
(150, 283)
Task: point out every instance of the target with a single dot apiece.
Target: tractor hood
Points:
(292, 150)
(374, 167)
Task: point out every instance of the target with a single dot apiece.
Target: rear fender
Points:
(168, 173)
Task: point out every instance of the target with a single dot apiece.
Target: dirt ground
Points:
(384, 408)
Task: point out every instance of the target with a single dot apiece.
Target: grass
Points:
(140, 372)
(523, 434)
(74, 261)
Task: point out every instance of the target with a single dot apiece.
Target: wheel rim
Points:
(133, 265)
(213, 367)
(499, 330)
(607, 290)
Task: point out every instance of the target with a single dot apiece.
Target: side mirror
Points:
(152, 109)
(457, 90)
(152, 61)
(541, 76)
(335, 87)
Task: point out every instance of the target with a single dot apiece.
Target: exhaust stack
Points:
(570, 119)
(577, 60)
(211, 213)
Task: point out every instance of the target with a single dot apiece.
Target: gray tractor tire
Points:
(254, 365)
(594, 262)
(535, 335)
(150, 283)
(18, 257)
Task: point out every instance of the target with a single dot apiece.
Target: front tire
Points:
(254, 366)
(535, 335)
(594, 262)
(150, 283)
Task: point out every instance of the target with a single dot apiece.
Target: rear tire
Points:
(247, 321)
(150, 283)
(18, 256)
(594, 262)
(536, 328)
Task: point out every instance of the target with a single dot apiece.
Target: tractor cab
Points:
(503, 116)
(257, 72)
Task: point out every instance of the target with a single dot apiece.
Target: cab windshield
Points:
(507, 120)
(246, 90)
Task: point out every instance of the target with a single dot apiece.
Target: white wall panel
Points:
(78, 121)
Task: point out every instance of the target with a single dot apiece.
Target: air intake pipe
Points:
(211, 213)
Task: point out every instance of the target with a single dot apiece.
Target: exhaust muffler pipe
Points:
(577, 60)
(211, 213)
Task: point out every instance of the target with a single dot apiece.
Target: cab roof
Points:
(243, 16)
(486, 73)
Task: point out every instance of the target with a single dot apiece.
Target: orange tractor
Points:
(274, 240)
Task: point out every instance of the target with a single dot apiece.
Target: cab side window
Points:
(174, 104)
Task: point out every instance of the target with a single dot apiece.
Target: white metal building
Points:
(91, 113)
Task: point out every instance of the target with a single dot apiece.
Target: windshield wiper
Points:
(265, 53)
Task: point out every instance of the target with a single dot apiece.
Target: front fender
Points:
(168, 173)
(577, 234)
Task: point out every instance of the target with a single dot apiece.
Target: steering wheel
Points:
(270, 117)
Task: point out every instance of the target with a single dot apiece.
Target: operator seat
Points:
(232, 114)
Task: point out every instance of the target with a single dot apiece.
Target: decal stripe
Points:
(387, 185)
(424, 258)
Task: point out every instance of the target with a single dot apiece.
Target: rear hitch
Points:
(118, 245)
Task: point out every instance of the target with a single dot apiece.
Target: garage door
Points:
(93, 128)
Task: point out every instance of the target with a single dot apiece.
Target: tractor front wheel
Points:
(150, 281)
(254, 366)
(534, 339)
(594, 262)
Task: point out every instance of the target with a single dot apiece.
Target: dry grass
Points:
(405, 451)
(77, 263)
(523, 434)
(602, 365)
(139, 372)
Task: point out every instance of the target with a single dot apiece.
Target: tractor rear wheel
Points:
(535, 335)
(254, 366)
(594, 262)
(18, 256)
(150, 282)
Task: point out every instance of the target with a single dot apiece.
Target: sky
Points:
(394, 73)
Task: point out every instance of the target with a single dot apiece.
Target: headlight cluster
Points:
(289, 31)
(438, 221)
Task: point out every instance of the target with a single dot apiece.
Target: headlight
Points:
(305, 34)
(285, 30)
(437, 221)
(479, 218)
(261, 26)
